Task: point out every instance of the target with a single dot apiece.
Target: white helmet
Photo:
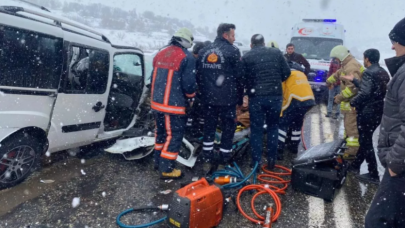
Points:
(340, 52)
(184, 37)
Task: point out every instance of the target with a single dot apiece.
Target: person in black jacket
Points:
(219, 71)
(195, 119)
(265, 70)
(369, 103)
(292, 56)
(388, 206)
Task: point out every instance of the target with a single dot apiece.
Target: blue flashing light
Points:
(320, 74)
(329, 20)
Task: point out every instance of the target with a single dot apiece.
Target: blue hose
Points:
(120, 224)
(235, 172)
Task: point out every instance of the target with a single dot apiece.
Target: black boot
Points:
(271, 164)
(328, 115)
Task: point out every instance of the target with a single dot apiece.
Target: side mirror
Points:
(137, 63)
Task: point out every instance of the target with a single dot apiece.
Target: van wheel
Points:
(20, 155)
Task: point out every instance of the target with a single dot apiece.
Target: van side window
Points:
(88, 70)
(29, 59)
(128, 63)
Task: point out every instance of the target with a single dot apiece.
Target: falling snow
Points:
(76, 202)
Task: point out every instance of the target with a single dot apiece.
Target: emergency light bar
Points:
(319, 20)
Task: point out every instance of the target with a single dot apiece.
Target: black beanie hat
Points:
(397, 34)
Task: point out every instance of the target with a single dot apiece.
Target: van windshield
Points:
(315, 48)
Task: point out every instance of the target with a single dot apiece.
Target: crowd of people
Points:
(214, 80)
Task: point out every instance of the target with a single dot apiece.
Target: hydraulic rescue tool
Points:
(200, 204)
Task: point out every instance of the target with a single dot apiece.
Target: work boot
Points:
(336, 116)
(175, 174)
(328, 115)
(369, 178)
(271, 164)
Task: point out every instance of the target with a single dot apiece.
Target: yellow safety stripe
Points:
(347, 93)
(345, 106)
(351, 141)
(331, 79)
(362, 69)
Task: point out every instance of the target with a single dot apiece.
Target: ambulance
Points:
(314, 39)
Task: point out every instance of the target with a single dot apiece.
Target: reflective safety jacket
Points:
(173, 80)
(297, 87)
(348, 90)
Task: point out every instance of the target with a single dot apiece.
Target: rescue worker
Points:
(388, 206)
(291, 55)
(173, 87)
(333, 89)
(219, 71)
(298, 99)
(349, 65)
(198, 46)
(195, 119)
(265, 70)
(369, 103)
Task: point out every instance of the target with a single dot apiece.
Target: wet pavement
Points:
(108, 184)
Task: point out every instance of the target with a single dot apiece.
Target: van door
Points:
(125, 92)
(30, 69)
(80, 106)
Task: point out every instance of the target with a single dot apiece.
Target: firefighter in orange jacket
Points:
(173, 87)
(298, 98)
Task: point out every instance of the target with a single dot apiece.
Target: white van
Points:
(62, 85)
(314, 39)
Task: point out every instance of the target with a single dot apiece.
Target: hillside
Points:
(144, 30)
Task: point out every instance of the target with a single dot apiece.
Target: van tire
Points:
(13, 170)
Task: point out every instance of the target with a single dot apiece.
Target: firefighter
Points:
(298, 99)
(349, 65)
(219, 71)
(173, 88)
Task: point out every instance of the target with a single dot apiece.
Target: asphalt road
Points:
(107, 184)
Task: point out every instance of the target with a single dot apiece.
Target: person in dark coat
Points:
(195, 119)
(388, 206)
(292, 56)
(369, 103)
(219, 71)
(265, 70)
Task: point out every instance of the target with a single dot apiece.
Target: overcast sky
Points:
(367, 22)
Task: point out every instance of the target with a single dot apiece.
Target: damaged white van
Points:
(62, 85)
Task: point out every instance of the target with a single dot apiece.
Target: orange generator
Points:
(197, 205)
